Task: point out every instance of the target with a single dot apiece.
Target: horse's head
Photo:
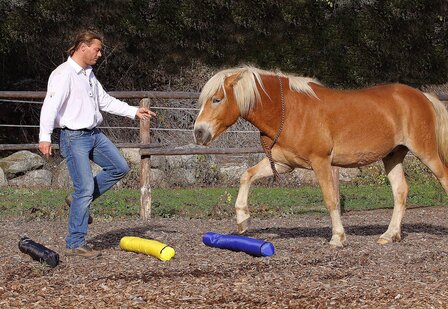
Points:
(232, 93)
(219, 108)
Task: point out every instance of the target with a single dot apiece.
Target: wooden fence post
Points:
(145, 167)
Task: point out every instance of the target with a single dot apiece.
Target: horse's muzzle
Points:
(202, 136)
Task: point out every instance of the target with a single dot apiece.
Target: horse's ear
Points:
(233, 79)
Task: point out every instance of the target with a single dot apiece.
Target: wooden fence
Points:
(147, 149)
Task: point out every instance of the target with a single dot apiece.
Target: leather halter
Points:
(267, 149)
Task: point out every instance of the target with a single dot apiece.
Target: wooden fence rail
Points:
(147, 149)
(116, 94)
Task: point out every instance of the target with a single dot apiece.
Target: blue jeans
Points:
(78, 148)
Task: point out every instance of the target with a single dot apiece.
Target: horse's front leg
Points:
(261, 170)
(330, 191)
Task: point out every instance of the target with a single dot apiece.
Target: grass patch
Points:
(213, 202)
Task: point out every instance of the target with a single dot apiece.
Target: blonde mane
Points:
(246, 90)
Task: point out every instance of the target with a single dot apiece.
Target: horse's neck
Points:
(266, 117)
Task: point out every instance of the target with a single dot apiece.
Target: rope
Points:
(263, 138)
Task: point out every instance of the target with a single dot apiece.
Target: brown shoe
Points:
(68, 201)
(83, 251)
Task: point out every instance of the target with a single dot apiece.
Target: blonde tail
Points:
(441, 127)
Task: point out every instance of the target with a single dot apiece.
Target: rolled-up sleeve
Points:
(57, 93)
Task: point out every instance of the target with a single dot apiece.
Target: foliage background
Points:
(342, 43)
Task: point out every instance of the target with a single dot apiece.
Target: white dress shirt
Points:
(74, 100)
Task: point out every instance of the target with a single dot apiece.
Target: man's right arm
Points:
(57, 93)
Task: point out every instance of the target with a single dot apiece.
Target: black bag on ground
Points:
(38, 252)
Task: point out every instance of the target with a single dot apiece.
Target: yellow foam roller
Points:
(147, 246)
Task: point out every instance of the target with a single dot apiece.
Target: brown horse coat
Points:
(326, 127)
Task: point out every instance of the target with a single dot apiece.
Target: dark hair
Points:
(85, 36)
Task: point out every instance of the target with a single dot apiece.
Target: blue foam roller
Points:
(249, 245)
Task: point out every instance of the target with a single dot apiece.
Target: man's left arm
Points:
(112, 105)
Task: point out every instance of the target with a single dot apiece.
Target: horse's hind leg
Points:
(393, 165)
(437, 168)
(261, 170)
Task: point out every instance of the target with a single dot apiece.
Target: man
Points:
(73, 103)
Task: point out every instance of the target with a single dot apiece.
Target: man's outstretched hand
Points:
(144, 113)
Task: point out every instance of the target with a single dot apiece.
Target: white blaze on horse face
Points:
(203, 128)
(206, 127)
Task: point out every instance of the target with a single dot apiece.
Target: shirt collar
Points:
(78, 68)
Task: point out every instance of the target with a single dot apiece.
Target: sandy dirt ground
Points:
(305, 272)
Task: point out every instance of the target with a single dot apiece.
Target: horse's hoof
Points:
(336, 242)
(389, 237)
(383, 241)
(243, 226)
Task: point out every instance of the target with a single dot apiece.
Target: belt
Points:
(82, 130)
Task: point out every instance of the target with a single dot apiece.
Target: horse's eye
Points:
(216, 100)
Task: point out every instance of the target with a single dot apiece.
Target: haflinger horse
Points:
(308, 125)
